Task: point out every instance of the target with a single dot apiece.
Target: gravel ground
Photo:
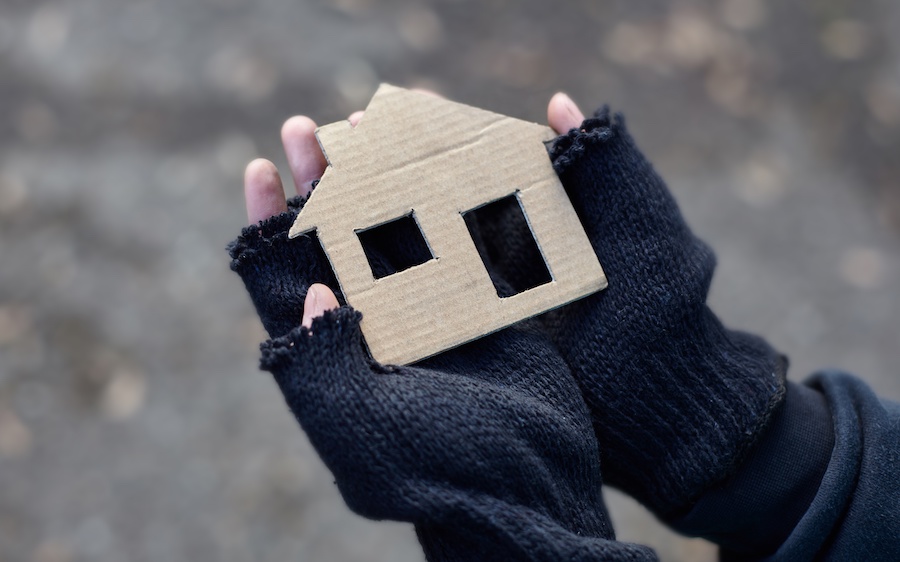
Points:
(133, 422)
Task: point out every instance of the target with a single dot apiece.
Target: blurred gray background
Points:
(134, 425)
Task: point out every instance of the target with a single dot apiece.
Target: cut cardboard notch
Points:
(420, 167)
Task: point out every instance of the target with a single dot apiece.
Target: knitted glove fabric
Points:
(488, 449)
(676, 398)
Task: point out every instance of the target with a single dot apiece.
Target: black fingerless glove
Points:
(488, 449)
(676, 398)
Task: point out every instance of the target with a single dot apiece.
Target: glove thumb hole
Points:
(319, 299)
(326, 359)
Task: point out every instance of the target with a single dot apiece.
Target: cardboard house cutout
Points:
(425, 159)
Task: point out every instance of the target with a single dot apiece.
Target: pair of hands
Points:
(487, 448)
(493, 449)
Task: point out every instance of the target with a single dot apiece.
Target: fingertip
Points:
(258, 169)
(263, 191)
(319, 299)
(307, 163)
(563, 114)
(298, 125)
(355, 118)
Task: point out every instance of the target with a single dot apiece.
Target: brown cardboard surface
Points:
(415, 153)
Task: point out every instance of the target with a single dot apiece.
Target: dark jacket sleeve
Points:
(834, 452)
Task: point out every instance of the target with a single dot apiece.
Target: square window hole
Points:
(394, 246)
(507, 246)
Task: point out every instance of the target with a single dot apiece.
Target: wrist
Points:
(754, 511)
(692, 404)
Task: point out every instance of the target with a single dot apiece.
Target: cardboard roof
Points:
(435, 159)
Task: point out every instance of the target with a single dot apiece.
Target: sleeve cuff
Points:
(754, 511)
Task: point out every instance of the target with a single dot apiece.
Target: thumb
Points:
(319, 299)
(563, 114)
(326, 360)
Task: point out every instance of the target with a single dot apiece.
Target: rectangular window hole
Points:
(394, 246)
(507, 246)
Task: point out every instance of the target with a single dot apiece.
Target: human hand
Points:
(487, 448)
(676, 399)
